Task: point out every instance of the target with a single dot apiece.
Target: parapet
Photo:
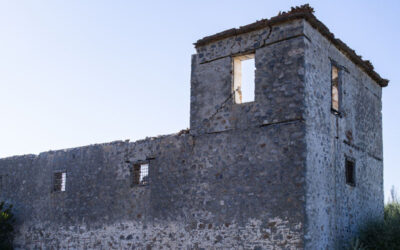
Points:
(302, 12)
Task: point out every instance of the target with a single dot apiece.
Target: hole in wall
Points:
(335, 88)
(60, 179)
(244, 78)
(350, 172)
(140, 174)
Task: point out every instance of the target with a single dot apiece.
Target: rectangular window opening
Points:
(335, 88)
(60, 179)
(350, 172)
(140, 174)
(244, 78)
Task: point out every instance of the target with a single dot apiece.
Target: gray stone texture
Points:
(262, 175)
(335, 210)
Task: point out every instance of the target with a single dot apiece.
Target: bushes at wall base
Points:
(382, 235)
(6, 226)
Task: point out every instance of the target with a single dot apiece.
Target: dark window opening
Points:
(60, 179)
(350, 172)
(335, 89)
(140, 174)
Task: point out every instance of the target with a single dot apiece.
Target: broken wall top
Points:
(302, 12)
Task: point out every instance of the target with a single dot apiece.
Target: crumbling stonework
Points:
(268, 174)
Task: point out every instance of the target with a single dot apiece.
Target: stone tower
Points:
(297, 165)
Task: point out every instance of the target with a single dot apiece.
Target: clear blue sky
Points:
(74, 73)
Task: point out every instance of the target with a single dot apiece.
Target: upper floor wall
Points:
(350, 129)
(278, 45)
(279, 80)
(358, 121)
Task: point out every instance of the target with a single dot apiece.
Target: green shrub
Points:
(385, 234)
(6, 226)
(356, 245)
(392, 212)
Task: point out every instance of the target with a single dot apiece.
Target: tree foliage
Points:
(6, 226)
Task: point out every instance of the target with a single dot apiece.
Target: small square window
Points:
(335, 89)
(140, 174)
(60, 179)
(244, 78)
(350, 172)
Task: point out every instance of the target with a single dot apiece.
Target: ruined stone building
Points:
(299, 165)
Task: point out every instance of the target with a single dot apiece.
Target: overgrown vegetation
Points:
(6, 226)
(385, 234)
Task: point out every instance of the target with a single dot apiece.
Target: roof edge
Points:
(300, 12)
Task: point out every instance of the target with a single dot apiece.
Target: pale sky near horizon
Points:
(74, 73)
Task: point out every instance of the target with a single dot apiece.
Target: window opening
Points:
(335, 88)
(244, 78)
(60, 179)
(350, 172)
(140, 174)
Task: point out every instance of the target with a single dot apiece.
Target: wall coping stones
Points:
(300, 12)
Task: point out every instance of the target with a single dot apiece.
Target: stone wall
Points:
(279, 77)
(261, 175)
(335, 210)
(209, 191)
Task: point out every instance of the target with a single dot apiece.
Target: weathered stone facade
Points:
(268, 174)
